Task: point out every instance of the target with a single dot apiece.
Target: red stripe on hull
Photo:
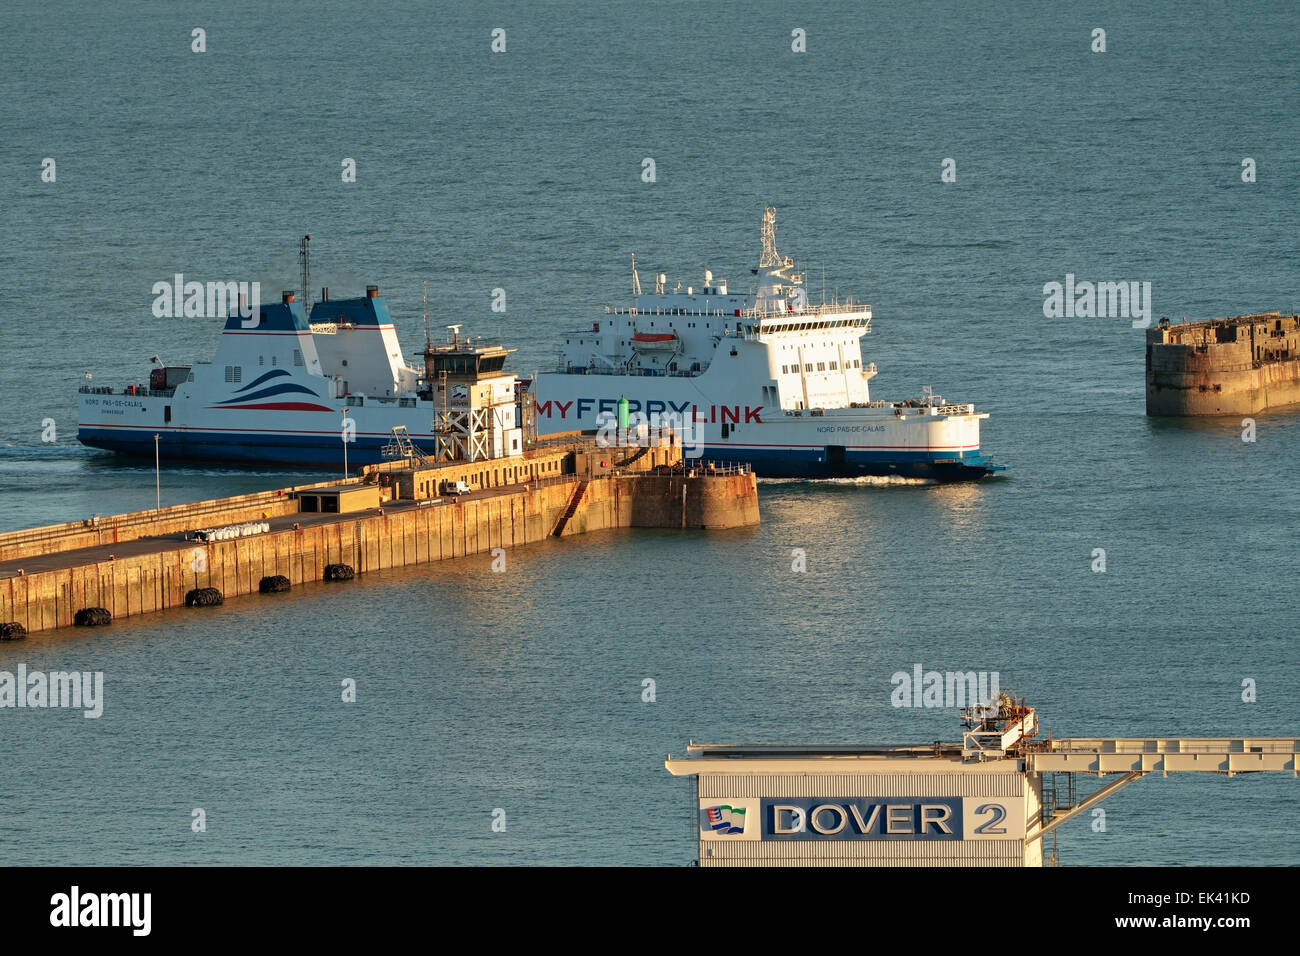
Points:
(279, 407)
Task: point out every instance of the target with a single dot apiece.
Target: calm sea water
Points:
(522, 170)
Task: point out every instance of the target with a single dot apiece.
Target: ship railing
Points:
(814, 311)
(140, 391)
(811, 311)
(712, 466)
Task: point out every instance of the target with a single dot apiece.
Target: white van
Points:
(455, 488)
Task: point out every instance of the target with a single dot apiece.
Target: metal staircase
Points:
(574, 500)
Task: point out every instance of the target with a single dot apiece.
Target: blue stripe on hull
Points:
(263, 450)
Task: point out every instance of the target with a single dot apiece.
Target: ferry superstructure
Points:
(332, 389)
(765, 378)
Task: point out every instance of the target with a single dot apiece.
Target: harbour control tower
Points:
(475, 397)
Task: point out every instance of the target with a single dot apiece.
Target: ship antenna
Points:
(636, 278)
(306, 272)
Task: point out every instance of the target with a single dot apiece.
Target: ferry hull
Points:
(836, 443)
(127, 425)
(823, 463)
(239, 449)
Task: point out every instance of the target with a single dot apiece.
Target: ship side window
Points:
(261, 360)
(821, 366)
(835, 366)
(808, 367)
(857, 363)
(785, 369)
(274, 360)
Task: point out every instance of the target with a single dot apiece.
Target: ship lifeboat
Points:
(655, 342)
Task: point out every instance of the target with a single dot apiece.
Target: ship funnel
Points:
(372, 292)
(286, 297)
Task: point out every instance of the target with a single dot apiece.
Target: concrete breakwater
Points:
(1236, 366)
(155, 573)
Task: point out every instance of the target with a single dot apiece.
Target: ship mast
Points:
(771, 258)
(306, 272)
(428, 342)
(636, 277)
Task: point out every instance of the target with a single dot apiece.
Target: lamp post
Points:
(157, 478)
(345, 443)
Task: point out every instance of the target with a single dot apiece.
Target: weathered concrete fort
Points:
(391, 516)
(1235, 366)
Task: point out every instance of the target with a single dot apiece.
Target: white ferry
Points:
(765, 378)
(333, 390)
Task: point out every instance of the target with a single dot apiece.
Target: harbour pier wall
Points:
(397, 535)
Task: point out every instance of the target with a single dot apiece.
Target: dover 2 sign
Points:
(865, 818)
